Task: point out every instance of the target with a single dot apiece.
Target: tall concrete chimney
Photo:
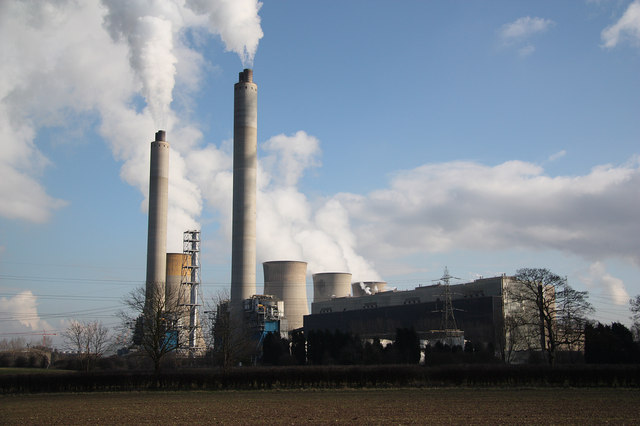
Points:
(243, 245)
(157, 233)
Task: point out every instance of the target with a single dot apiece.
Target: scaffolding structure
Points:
(191, 285)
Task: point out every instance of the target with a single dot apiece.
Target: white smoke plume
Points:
(236, 22)
(21, 311)
(152, 30)
(597, 278)
(67, 58)
(150, 41)
(98, 57)
(289, 226)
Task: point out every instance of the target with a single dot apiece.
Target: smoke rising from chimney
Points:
(236, 22)
(69, 62)
(152, 32)
(150, 41)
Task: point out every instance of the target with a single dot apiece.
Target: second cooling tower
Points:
(286, 280)
(331, 284)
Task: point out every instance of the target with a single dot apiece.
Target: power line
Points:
(62, 296)
(33, 317)
(57, 279)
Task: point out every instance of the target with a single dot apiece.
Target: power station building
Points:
(366, 309)
(478, 307)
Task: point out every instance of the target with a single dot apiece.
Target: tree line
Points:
(543, 315)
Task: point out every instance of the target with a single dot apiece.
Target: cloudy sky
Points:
(395, 138)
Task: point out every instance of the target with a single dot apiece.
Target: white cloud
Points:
(20, 312)
(526, 50)
(557, 155)
(518, 33)
(599, 278)
(289, 156)
(523, 28)
(627, 28)
(438, 208)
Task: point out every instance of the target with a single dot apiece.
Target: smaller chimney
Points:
(246, 76)
(160, 136)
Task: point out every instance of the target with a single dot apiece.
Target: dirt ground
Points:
(374, 406)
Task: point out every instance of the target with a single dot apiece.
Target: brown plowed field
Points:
(374, 406)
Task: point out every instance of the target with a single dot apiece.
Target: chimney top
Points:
(160, 136)
(246, 76)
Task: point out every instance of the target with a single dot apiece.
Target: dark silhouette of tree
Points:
(373, 353)
(232, 342)
(326, 348)
(318, 347)
(610, 344)
(299, 347)
(275, 350)
(407, 346)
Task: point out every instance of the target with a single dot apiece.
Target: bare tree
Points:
(159, 323)
(634, 306)
(551, 310)
(231, 340)
(516, 336)
(15, 344)
(89, 340)
(572, 315)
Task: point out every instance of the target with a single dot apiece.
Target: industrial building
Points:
(367, 309)
(264, 314)
(478, 307)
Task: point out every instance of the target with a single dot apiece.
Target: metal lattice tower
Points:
(448, 319)
(191, 283)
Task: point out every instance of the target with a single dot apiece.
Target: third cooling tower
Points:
(243, 244)
(157, 232)
(331, 284)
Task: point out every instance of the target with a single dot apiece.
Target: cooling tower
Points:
(286, 280)
(331, 284)
(376, 286)
(157, 233)
(368, 287)
(174, 294)
(243, 244)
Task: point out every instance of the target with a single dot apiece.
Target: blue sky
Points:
(395, 138)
